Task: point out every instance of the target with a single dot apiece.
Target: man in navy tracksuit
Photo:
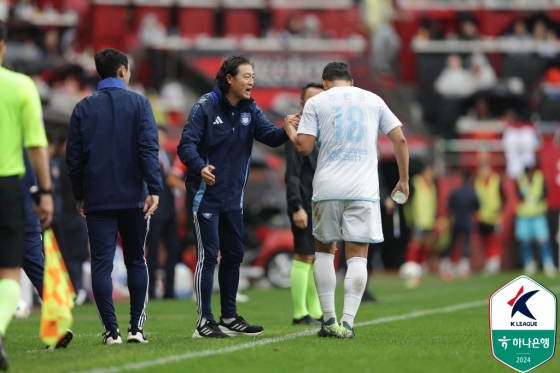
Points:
(112, 156)
(216, 147)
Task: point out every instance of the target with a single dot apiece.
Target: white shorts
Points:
(347, 220)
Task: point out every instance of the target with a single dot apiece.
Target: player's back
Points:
(348, 120)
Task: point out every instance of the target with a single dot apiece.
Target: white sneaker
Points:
(550, 270)
(446, 269)
(112, 337)
(530, 269)
(136, 335)
(493, 265)
(464, 268)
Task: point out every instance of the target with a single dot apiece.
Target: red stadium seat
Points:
(240, 22)
(195, 21)
(108, 26)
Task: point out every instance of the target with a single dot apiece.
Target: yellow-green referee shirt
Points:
(21, 121)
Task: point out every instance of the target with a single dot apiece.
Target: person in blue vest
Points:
(112, 157)
(216, 147)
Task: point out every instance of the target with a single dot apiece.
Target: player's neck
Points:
(339, 83)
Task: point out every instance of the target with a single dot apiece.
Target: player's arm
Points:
(401, 154)
(294, 164)
(148, 152)
(304, 134)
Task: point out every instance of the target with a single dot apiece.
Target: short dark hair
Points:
(230, 67)
(3, 31)
(108, 61)
(336, 71)
(310, 85)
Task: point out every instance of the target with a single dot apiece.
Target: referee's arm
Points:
(35, 140)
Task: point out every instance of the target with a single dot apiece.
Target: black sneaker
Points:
(112, 337)
(240, 327)
(64, 341)
(368, 297)
(306, 320)
(210, 329)
(136, 335)
(3, 356)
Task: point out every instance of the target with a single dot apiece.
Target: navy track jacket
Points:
(221, 135)
(112, 149)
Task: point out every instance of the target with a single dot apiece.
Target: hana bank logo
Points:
(519, 305)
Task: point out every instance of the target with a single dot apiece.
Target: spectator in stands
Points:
(550, 48)
(467, 28)
(265, 15)
(531, 224)
(24, 9)
(430, 30)
(219, 20)
(294, 27)
(151, 29)
(539, 31)
(51, 42)
(462, 204)
(480, 110)
(454, 80)
(519, 40)
(520, 145)
(483, 74)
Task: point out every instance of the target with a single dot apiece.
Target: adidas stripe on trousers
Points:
(222, 232)
(103, 228)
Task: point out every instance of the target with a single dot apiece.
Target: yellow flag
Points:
(58, 294)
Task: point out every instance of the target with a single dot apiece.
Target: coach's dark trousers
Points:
(221, 232)
(103, 227)
(33, 260)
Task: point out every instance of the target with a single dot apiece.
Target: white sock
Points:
(325, 281)
(354, 286)
(202, 321)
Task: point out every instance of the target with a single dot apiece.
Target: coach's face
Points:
(242, 83)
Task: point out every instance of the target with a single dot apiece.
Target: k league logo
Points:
(523, 317)
(245, 118)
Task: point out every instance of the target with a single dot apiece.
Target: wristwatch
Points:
(45, 191)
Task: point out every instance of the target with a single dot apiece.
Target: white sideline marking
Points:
(265, 341)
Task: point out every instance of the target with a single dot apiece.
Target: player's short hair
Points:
(108, 61)
(230, 67)
(3, 31)
(310, 85)
(336, 71)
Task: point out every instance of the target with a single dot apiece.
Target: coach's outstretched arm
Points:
(401, 153)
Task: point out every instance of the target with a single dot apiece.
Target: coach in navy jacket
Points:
(112, 157)
(216, 147)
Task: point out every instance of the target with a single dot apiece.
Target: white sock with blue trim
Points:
(354, 286)
(325, 281)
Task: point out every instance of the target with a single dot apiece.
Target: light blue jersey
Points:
(346, 121)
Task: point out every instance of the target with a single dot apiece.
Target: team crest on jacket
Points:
(245, 118)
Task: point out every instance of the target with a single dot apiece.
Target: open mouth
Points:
(248, 91)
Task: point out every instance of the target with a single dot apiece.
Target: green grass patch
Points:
(446, 342)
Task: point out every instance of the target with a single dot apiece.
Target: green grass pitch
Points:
(438, 327)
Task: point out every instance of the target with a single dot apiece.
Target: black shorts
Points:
(304, 242)
(12, 224)
(486, 229)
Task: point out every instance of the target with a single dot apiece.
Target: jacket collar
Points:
(218, 97)
(111, 83)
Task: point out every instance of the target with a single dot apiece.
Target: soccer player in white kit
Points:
(345, 121)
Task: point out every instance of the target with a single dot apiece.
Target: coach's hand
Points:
(44, 210)
(207, 175)
(80, 207)
(300, 218)
(150, 205)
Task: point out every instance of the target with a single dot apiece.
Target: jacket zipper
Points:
(230, 158)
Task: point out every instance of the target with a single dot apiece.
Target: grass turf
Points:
(455, 341)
